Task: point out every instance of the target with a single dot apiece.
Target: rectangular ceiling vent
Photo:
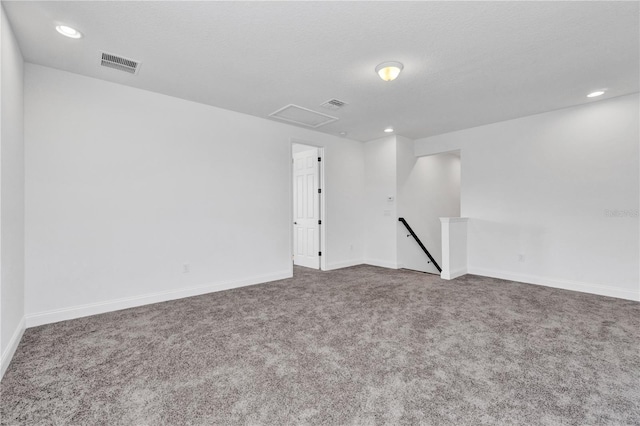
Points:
(303, 116)
(119, 63)
(333, 104)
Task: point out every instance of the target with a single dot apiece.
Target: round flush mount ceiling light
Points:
(388, 130)
(389, 71)
(595, 94)
(68, 31)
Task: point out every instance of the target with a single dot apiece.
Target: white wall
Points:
(454, 247)
(344, 201)
(541, 186)
(380, 214)
(423, 189)
(428, 188)
(124, 186)
(11, 195)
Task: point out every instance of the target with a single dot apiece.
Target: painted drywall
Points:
(428, 189)
(11, 195)
(454, 247)
(380, 211)
(553, 198)
(127, 189)
(398, 184)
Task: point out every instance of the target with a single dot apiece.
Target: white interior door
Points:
(306, 209)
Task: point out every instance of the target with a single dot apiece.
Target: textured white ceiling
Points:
(466, 63)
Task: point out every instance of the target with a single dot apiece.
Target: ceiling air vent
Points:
(299, 115)
(333, 104)
(119, 63)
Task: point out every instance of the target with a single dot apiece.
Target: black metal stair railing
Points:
(424, 249)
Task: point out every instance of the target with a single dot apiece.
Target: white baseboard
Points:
(56, 315)
(345, 264)
(453, 274)
(8, 353)
(381, 263)
(620, 293)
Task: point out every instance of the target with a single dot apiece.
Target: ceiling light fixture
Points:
(388, 130)
(389, 71)
(596, 93)
(68, 31)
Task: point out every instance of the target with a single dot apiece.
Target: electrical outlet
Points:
(185, 268)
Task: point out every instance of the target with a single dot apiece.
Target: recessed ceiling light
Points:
(596, 93)
(343, 133)
(68, 31)
(388, 130)
(389, 71)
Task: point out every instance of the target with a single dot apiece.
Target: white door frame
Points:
(323, 204)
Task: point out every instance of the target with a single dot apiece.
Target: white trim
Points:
(345, 264)
(381, 263)
(47, 317)
(558, 283)
(8, 353)
(453, 219)
(449, 275)
(329, 118)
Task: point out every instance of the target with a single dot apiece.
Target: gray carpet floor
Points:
(361, 345)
